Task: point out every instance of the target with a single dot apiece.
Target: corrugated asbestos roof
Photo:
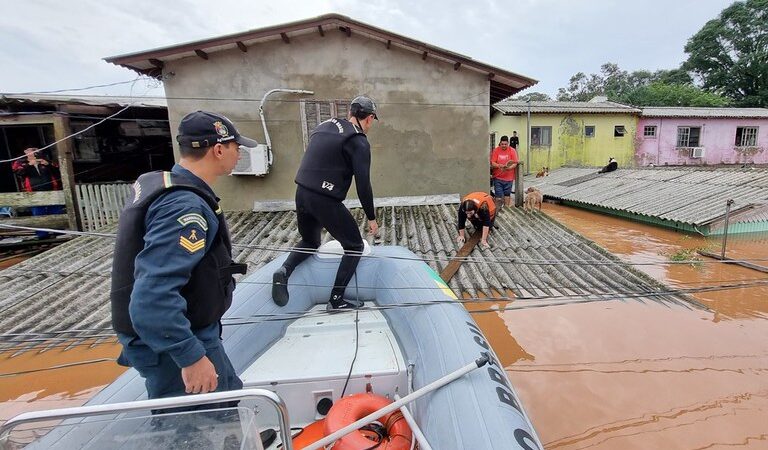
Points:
(92, 100)
(67, 288)
(693, 195)
(705, 112)
(606, 107)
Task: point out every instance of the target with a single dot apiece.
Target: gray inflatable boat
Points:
(410, 333)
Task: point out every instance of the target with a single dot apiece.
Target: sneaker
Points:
(337, 303)
(280, 286)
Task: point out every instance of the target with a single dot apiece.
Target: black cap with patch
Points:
(362, 107)
(202, 129)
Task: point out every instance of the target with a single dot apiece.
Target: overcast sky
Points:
(53, 44)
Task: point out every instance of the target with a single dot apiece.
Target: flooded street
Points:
(603, 375)
(627, 375)
(55, 378)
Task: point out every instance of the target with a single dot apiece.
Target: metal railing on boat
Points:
(160, 403)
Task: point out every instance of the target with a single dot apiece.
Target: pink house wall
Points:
(718, 138)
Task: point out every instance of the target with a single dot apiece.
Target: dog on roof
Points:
(533, 198)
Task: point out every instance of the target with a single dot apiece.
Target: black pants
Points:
(315, 212)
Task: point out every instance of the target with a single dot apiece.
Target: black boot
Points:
(337, 302)
(280, 286)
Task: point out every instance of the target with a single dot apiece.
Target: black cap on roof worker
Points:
(338, 150)
(203, 129)
(362, 107)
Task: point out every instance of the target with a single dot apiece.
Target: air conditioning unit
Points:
(697, 152)
(253, 161)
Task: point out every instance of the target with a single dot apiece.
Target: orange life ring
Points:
(480, 198)
(309, 435)
(353, 408)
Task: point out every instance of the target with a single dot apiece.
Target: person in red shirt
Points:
(503, 163)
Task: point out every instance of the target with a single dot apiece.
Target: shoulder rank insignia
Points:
(192, 243)
(195, 218)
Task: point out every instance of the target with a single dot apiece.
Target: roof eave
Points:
(515, 81)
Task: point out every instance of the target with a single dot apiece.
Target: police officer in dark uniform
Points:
(338, 149)
(172, 269)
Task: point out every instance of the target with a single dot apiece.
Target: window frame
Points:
(594, 131)
(539, 134)
(619, 131)
(688, 137)
(744, 135)
(653, 129)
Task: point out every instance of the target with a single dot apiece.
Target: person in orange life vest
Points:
(480, 209)
(503, 162)
(38, 174)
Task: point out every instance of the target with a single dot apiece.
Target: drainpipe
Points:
(658, 142)
(264, 121)
(528, 149)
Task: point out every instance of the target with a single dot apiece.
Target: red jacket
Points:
(42, 177)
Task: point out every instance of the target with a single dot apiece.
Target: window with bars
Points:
(493, 141)
(746, 136)
(688, 136)
(649, 131)
(315, 112)
(541, 136)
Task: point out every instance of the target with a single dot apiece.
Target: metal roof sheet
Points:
(705, 112)
(93, 100)
(521, 107)
(67, 288)
(694, 195)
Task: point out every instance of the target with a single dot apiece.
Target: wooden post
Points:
(453, 266)
(519, 185)
(61, 130)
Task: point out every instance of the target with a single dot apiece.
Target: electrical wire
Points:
(60, 366)
(310, 99)
(73, 89)
(465, 259)
(515, 303)
(84, 129)
(595, 289)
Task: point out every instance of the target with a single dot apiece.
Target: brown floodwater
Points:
(605, 375)
(56, 378)
(628, 375)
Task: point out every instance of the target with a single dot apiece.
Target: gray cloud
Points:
(53, 45)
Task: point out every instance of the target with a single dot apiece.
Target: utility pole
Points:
(725, 231)
(528, 134)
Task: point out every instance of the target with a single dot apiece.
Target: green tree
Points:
(729, 55)
(581, 88)
(534, 97)
(640, 88)
(661, 94)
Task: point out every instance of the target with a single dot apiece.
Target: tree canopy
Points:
(640, 88)
(534, 97)
(729, 55)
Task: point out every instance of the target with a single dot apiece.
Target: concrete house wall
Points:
(432, 136)
(718, 137)
(570, 145)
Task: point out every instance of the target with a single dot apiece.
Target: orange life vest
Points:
(480, 199)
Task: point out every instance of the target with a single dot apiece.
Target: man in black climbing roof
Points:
(338, 150)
